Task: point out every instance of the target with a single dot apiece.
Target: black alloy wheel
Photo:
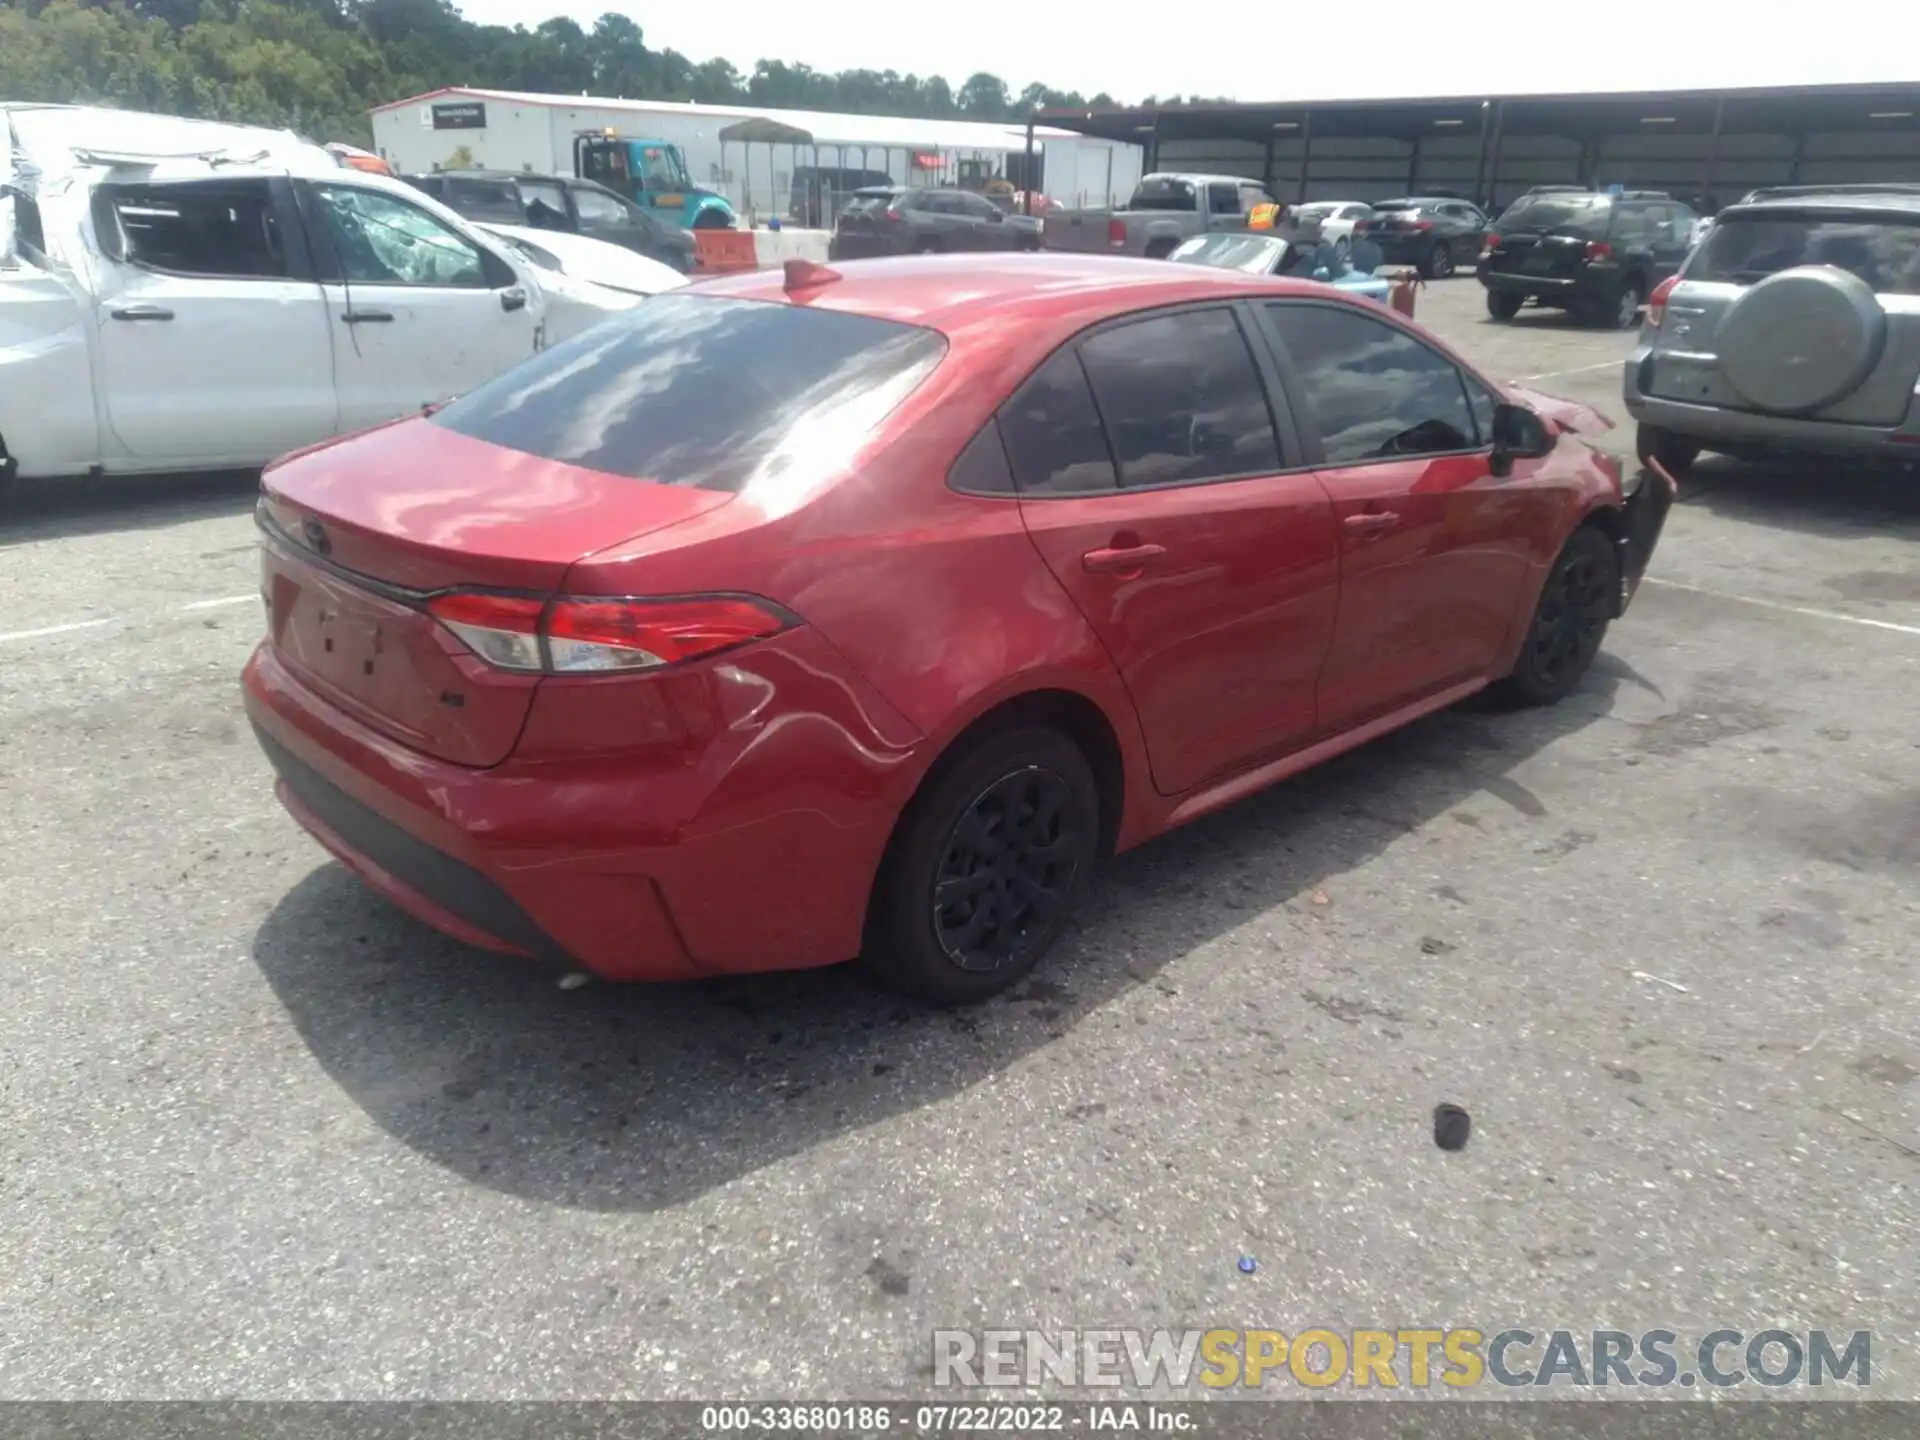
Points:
(985, 868)
(1010, 863)
(1576, 604)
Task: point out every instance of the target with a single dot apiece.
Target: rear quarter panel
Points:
(939, 600)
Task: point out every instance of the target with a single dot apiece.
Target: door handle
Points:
(1109, 560)
(1371, 522)
(512, 300)
(367, 317)
(142, 312)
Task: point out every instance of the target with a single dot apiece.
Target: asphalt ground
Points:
(261, 1135)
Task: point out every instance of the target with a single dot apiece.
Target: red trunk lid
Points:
(357, 534)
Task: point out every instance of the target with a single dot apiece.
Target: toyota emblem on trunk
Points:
(316, 534)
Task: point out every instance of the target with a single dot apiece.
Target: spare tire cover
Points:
(1802, 339)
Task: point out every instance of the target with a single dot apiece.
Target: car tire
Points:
(1161, 249)
(1503, 305)
(1626, 305)
(1570, 619)
(1676, 453)
(710, 220)
(955, 836)
(1342, 254)
(1439, 262)
(926, 247)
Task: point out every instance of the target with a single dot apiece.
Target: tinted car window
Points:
(1182, 399)
(493, 200)
(1164, 195)
(1586, 215)
(982, 468)
(546, 203)
(1742, 249)
(1377, 393)
(697, 390)
(599, 208)
(1223, 199)
(1053, 433)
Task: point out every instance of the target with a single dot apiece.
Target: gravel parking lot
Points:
(266, 1137)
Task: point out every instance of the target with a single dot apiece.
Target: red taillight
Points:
(1492, 244)
(1360, 227)
(583, 636)
(1423, 224)
(1116, 232)
(1657, 302)
(1599, 250)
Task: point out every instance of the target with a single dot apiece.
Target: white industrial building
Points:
(505, 130)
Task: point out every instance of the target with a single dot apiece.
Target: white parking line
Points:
(1577, 370)
(223, 600)
(1806, 610)
(68, 629)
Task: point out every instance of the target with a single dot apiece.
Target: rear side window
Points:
(1378, 394)
(1164, 195)
(1741, 249)
(228, 229)
(1053, 432)
(1585, 215)
(497, 201)
(1182, 399)
(712, 393)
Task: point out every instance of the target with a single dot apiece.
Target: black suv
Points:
(558, 202)
(1598, 256)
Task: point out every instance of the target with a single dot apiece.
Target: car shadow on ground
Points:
(36, 510)
(1838, 498)
(643, 1097)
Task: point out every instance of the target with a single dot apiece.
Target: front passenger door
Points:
(1435, 551)
(419, 311)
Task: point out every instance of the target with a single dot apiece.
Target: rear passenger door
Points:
(1466, 228)
(1171, 502)
(1435, 551)
(1223, 206)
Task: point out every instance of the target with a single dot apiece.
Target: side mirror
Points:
(1518, 434)
(513, 299)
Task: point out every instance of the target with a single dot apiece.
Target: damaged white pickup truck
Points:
(181, 295)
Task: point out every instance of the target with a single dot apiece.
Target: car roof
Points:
(1867, 202)
(970, 298)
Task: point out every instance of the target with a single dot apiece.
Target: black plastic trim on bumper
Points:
(1641, 520)
(456, 888)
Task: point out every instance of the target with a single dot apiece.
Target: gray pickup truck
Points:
(1166, 209)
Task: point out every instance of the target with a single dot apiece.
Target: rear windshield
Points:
(701, 391)
(1164, 195)
(1744, 248)
(1255, 254)
(1587, 215)
(867, 201)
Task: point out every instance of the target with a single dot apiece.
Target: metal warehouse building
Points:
(1720, 143)
(508, 130)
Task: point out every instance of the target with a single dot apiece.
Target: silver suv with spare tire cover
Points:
(1794, 326)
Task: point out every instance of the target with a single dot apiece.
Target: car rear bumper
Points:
(1553, 289)
(861, 247)
(1405, 249)
(754, 851)
(1714, 426)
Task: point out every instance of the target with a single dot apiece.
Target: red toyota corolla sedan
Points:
(812, 614)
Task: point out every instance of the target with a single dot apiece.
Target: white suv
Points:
(1794, 326)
